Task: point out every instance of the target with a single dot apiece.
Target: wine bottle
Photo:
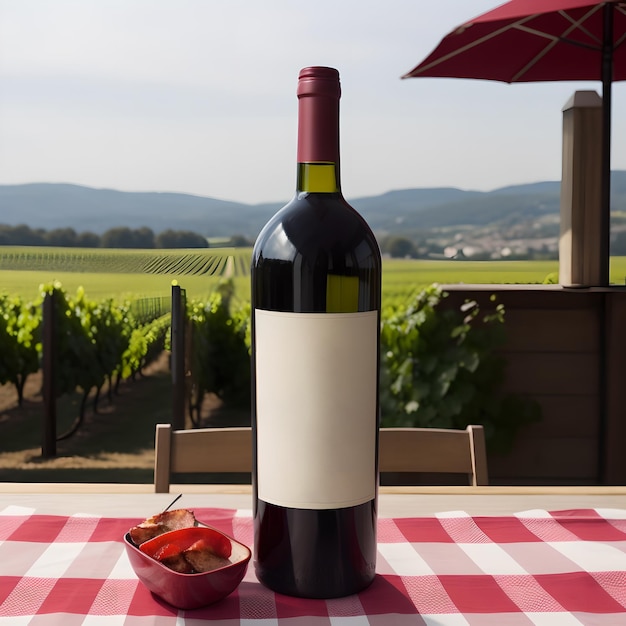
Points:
(316, 289)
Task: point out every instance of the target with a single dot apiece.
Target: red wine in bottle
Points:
(316, 289)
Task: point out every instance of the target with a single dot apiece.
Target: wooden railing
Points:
(567, 349)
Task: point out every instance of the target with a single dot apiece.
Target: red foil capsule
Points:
(318, 115)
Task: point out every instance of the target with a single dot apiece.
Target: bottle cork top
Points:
(319, 81)
(318, 115)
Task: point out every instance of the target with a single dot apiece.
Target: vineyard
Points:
(79, 342)
(86, 345)
(125, 324)
(122, 274)
(132, 274)
(185, 262)
(93, 343)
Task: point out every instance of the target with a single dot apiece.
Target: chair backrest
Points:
(200, 450)
(416, 450)
(435, 451)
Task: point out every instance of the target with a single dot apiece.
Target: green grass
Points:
(401, 276)
(122, 273)
(114, 273)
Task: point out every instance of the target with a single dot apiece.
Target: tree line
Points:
(119, 237)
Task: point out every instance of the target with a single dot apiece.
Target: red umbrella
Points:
(542, 40)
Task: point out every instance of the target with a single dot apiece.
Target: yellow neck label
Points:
(318, 178)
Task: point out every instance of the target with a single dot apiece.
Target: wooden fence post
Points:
(49, 426)
(583, 261)
(178, 357)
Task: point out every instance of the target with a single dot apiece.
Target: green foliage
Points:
(124, 237)
(20, 341)
(93, 341)
(220, 339)
(441, 368)
(145, 344)
(180, 239)
(398, 247)
(75, 352)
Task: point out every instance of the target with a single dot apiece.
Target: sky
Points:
(198, 97)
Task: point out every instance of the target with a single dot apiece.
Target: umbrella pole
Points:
(607, 78)
(605, 227)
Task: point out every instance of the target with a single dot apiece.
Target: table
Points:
(135, 499)
(506, 561)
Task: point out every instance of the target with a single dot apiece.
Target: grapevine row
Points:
(440, 367)
(211, 262)
(92, 342)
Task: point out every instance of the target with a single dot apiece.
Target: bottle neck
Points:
(318, 131)
(318, 178)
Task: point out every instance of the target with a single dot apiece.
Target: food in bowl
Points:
(162, 523)
(190, 550)
(189, 567)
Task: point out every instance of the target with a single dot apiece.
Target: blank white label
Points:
(316, 394)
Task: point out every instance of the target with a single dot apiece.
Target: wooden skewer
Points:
(169, 506)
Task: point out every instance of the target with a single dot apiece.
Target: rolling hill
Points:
(50, 206)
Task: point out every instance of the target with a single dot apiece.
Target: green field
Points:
(401, 276)
(121, 273)
(149, 273)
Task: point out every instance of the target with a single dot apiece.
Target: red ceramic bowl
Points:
(189, 591)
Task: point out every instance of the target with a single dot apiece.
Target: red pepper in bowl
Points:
(190, 550)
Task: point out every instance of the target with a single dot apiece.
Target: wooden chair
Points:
(229, 450)
(200, 450)
(435, 451)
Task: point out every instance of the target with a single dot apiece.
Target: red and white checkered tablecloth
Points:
(562, 568)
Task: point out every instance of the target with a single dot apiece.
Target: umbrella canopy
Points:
(542, 40)
(533, 40)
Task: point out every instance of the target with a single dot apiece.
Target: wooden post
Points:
(580, 244)
(178, 357)
(49, 426)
